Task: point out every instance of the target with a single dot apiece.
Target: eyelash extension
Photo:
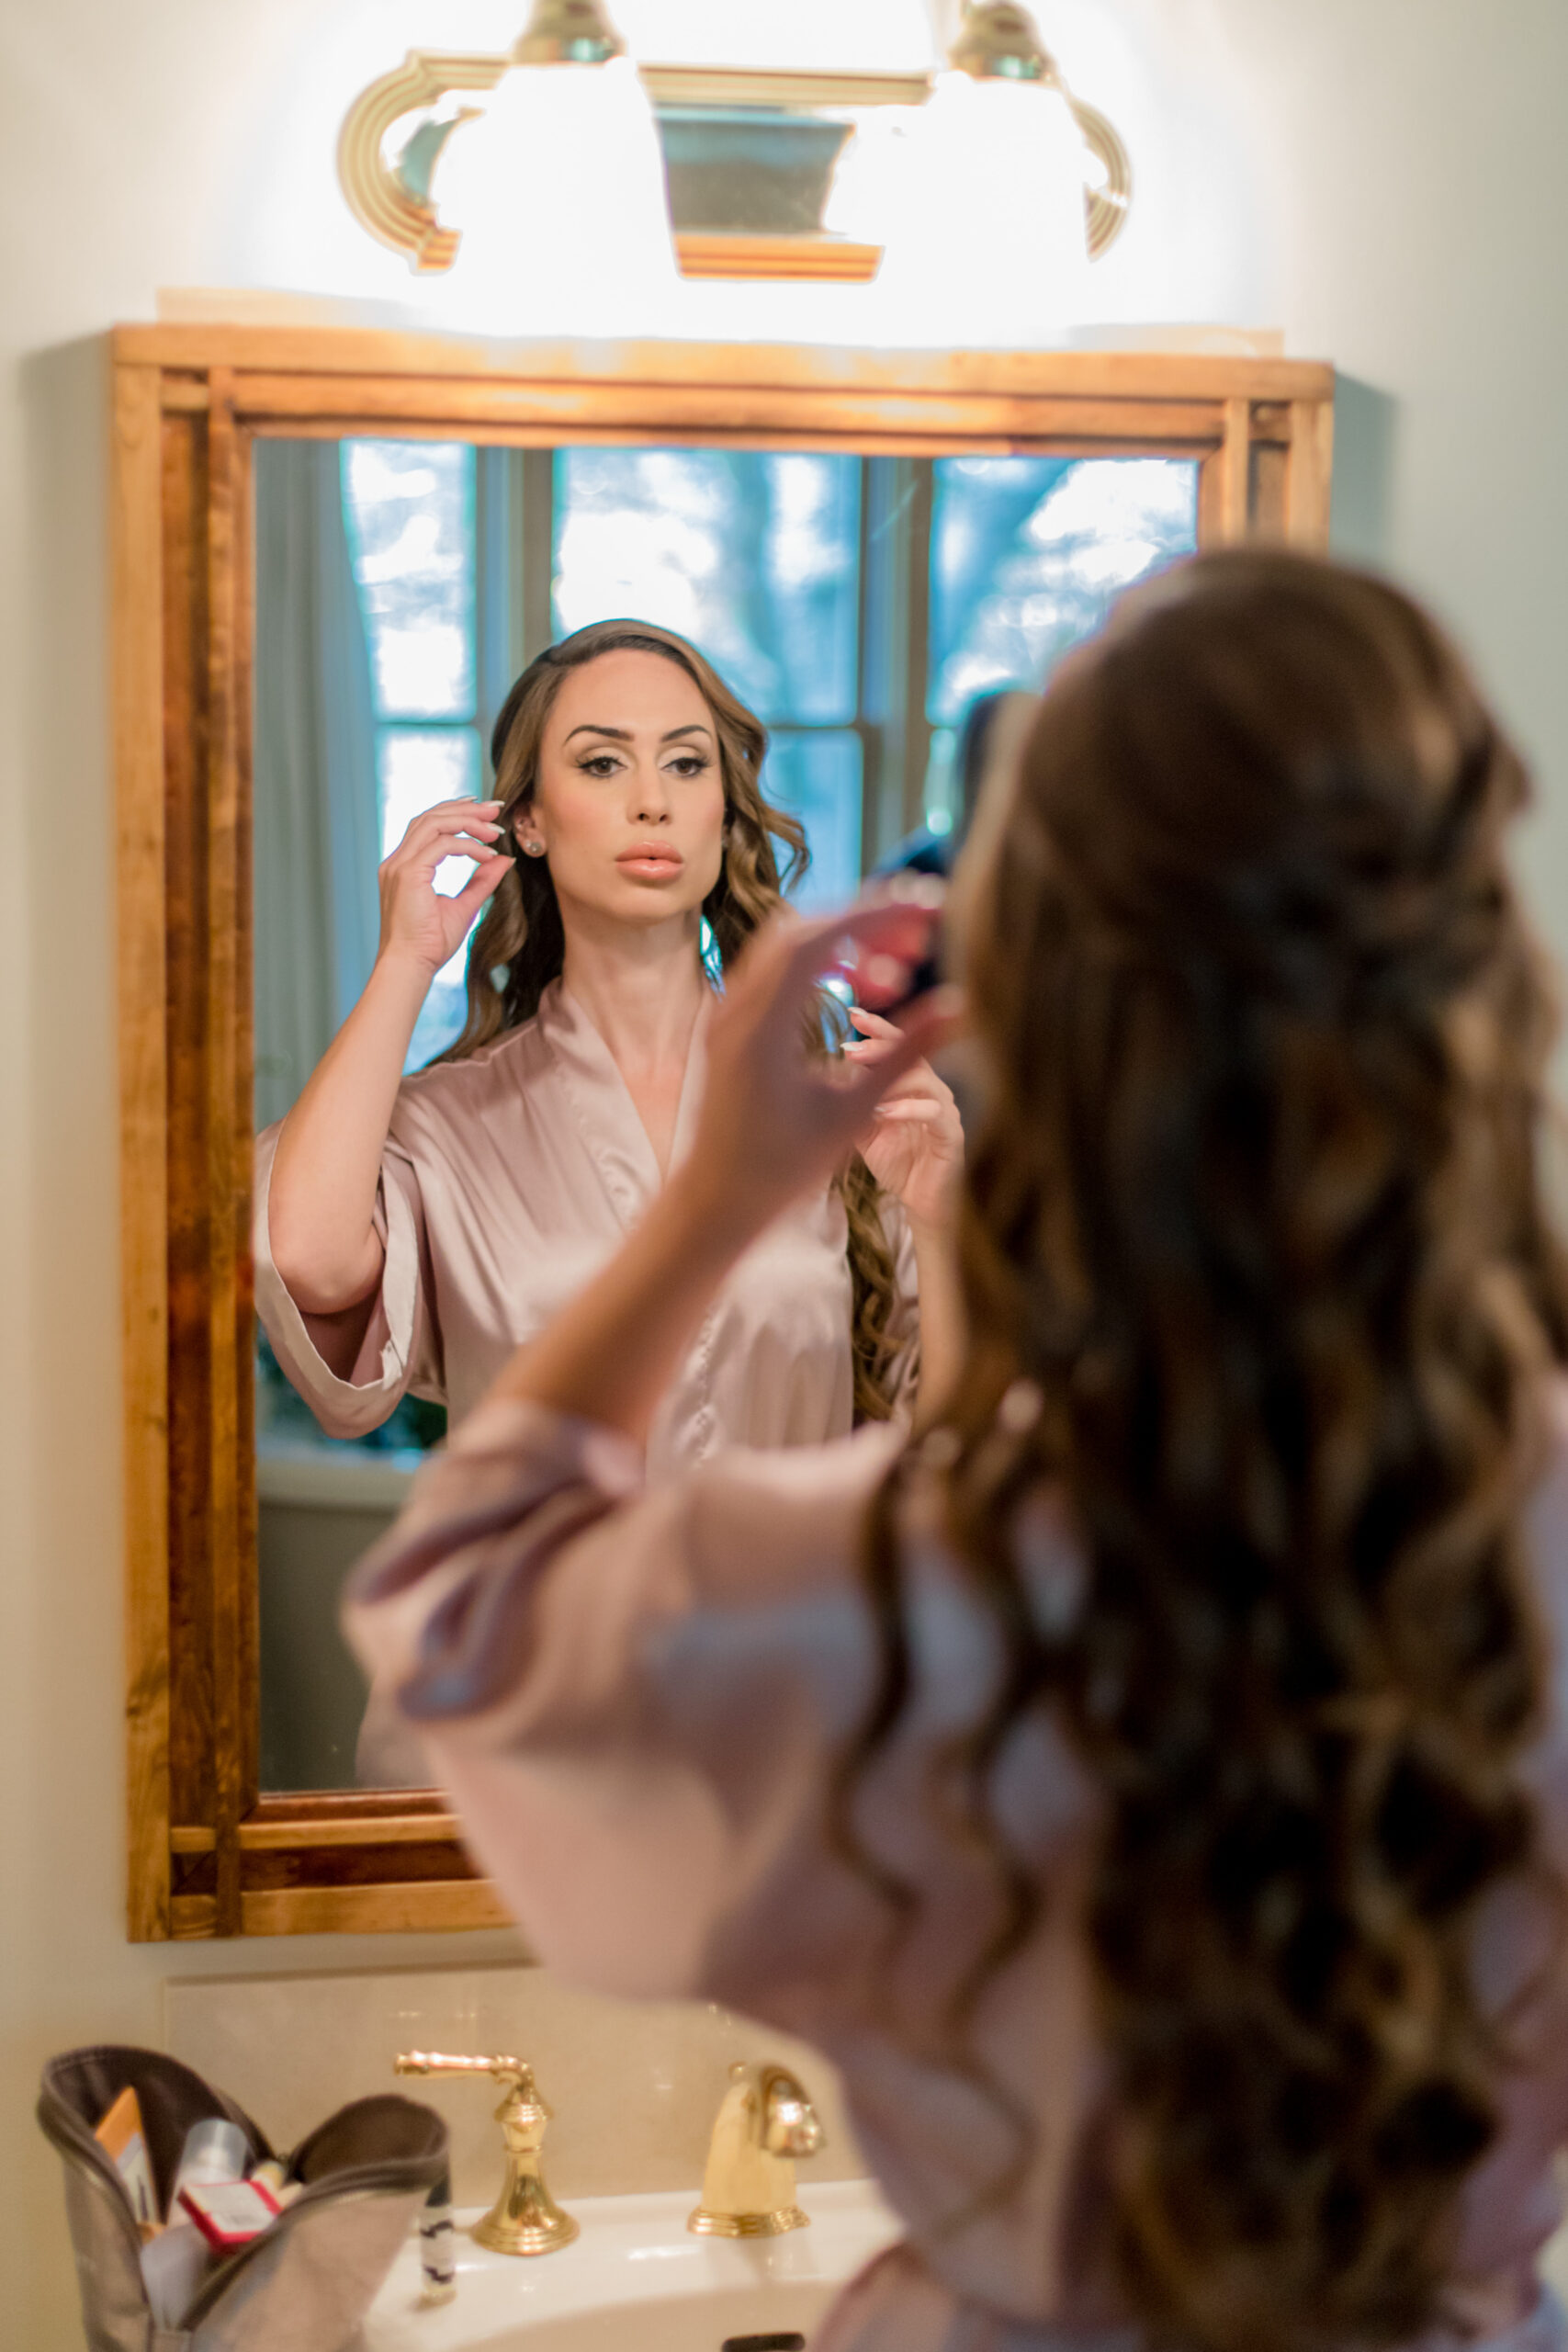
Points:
(699, 761)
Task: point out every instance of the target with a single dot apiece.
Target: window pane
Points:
(418, 766)
(410, 508)
(818, 780)
(753, 555)
(1028, 554)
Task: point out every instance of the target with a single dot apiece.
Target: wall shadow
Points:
(1365, 424)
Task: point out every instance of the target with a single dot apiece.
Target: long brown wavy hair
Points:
(519, 944)
(1259, 1277)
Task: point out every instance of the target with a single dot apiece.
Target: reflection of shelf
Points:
(334, 1477)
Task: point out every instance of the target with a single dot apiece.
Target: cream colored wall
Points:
(1411, 190)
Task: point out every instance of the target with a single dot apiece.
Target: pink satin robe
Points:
(635, 1697)
(507, 1182)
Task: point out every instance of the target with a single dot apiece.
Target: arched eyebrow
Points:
(623, 734)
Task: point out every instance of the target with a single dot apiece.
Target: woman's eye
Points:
(602, 763)
(689, 764)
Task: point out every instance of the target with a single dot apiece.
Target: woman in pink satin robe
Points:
(411, 1233)
(506, 1180)
(1149, 1784)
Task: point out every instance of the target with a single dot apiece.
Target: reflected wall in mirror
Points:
(334, 555)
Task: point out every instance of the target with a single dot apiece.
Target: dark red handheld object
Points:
(888, 978)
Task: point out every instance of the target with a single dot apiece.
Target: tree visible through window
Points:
(857, 604)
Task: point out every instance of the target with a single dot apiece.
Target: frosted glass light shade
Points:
(559, 191)
(985, 233)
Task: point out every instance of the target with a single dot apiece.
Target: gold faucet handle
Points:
(515, 2071)
(524, 2218)
(791, 2126)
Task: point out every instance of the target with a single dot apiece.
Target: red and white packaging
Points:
(230, 2213)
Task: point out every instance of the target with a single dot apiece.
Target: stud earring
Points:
(534, 849)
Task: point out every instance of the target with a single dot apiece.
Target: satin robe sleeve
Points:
(630, 1695)
(400, 1352)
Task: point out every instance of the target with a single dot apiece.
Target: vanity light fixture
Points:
(1000, 42)
(750, 157)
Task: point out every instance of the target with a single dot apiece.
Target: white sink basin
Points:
(636, 2281)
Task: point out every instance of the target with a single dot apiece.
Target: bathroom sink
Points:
(636, 2281)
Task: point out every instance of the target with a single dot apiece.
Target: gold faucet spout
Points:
(765, 2123)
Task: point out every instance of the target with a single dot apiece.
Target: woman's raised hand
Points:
(418, 923)
(324, 1179)
(915, 1148)
(776, 1117)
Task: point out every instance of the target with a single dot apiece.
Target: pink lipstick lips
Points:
(653, 860)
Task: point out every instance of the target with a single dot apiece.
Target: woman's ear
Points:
(525, 832)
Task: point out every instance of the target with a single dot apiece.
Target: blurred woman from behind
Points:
(1151, 1786)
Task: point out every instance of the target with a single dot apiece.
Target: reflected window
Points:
(408, 507)
(1027, 557)
(1028, 554)
(858, 605)
(754, 555)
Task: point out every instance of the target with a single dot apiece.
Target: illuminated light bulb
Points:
(559, 191)
(985, 239)
(863, 199)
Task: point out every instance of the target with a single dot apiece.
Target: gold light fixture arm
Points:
(997, 41)
(559, 32)
(1106, 207)
(378, 195)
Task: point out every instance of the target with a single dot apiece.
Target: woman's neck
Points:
(642, 989)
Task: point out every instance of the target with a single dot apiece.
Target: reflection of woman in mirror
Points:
(410, 1232)
(1151, 1787)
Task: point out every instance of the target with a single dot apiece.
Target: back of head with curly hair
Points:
(1253, 1212)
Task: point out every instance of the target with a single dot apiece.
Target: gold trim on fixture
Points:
(776, 92)
(378, 195)
(713, 253)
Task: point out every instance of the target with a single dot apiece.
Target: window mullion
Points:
(896, 606)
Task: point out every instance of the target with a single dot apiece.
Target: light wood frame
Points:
(209, 1855)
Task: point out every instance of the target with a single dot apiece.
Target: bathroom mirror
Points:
(334, 552)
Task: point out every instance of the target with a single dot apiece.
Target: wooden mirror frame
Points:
(209, 1855)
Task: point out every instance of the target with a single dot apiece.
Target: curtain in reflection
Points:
(317, 826)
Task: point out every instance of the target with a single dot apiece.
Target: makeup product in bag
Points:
(215, 2150)
(230, 2213)
(124, 2141)
(178, 2260)
(273, 2175)
(173, 2266)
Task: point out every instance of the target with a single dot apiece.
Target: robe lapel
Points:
(603, 1112)
(691, 1089)
(605, 1116)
